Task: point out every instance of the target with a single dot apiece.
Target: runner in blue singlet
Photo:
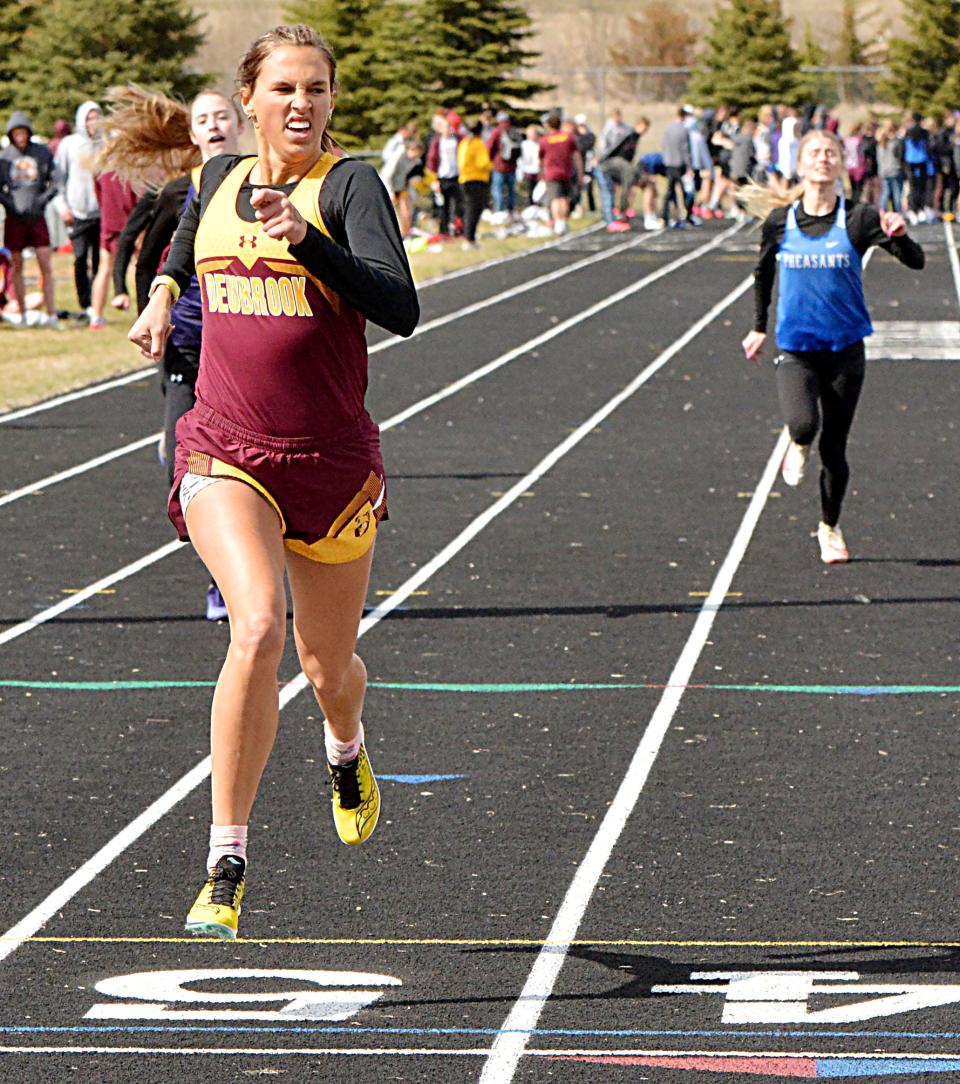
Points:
(819, 240)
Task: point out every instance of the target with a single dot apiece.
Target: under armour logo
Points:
(245, 240)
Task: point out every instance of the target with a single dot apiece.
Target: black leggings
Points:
(178, 380)
(812, 381)
(474, 201)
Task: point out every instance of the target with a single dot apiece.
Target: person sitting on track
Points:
(154, 135)
(819, 240)
(278, 465)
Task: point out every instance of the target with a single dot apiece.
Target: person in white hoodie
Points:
(787, 150)
(77, 200)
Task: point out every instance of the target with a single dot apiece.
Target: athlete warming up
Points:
(278, 464)
(819, 240)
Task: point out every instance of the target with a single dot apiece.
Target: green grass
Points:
(36, 363)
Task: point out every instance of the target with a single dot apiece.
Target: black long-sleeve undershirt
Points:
(863, 229)
(365, 262)
(155, 215)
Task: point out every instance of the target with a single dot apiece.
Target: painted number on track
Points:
(328, 995)
(783, 997)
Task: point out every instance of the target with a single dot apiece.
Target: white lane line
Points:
(384, 344)
(471, 1052)
(96, 389)
(510, 1044)
(157, 555)
(498, 261)
(80, 468)
(47, 908)
(514, 291)
(72, 396)
(952, 252)
(514, 1035)
(88, 592)
(557, 329)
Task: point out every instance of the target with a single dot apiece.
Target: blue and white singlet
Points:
(821, 304)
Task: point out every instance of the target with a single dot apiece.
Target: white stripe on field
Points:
(58, 899)
(72, 396)
(88, 592)
(510, 1044)
(514, 291)
(416, 408)
(131, 377)
(376, 348)
(472, 1052)
(497, 261)
(952, 252)
(80, 468)
(557, 329)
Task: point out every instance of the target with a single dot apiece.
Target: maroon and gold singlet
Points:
(283, 375)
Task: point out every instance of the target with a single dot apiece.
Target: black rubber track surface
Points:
(801, 815)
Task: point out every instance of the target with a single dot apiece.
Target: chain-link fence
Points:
(608, 85)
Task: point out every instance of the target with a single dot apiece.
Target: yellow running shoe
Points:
(217, 910)
(356, 799)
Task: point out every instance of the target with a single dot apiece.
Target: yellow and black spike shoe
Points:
(356, 799)
(217, 910)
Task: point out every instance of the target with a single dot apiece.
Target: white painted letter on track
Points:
(330, 995)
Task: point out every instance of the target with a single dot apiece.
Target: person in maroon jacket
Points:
(560, 165)
(117, 200)
(504, 143)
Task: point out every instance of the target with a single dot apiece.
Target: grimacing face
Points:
(291, 101)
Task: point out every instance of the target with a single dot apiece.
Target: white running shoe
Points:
(794, 463)
(833, 549)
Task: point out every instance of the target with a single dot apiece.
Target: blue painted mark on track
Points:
(613, 1033)
(415, 779)
(840, 1067)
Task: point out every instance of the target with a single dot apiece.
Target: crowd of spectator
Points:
(447, 180)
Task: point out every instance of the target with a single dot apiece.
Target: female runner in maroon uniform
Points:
(278, 464)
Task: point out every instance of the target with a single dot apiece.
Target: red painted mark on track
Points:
(789, 1067)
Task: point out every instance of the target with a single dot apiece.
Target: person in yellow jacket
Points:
(473, 161)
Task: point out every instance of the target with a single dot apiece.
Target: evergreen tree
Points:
(371, 40)
(398, 59)
(15, 16)
(851, 50)
(920, 64)
(749, 60)
(77, 49)
(948, 96)
(472, 54)
(814, 86)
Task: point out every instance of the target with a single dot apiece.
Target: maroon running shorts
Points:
(328, 492)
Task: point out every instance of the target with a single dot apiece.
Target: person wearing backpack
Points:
(504, 144)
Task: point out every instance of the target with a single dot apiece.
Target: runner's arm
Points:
(366, 263)
(865, 229)
(766, 269)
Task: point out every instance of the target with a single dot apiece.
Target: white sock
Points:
(341, 752)
(227, 839)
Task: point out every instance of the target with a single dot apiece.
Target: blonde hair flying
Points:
(149, 141)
